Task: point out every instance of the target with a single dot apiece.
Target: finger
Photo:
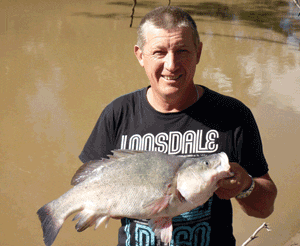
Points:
(228, 183)
(116, 217)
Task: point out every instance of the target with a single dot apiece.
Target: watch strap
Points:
(247, 192)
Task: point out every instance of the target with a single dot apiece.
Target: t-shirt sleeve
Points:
(100, 143)
(249, 146)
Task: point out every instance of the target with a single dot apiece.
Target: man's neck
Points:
(174, 104)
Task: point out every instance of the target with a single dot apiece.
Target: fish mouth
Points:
(224, 164)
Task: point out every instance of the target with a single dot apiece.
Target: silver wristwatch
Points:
(247, 192)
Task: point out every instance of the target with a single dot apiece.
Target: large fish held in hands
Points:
(138, 185)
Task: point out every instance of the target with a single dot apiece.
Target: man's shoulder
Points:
(213, 95)
(132, 95)
(223, 102)
(221, 111)
(126, 99)
(125, 102)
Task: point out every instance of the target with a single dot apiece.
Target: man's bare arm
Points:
(260, 203)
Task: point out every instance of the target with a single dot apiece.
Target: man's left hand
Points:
(232, 186)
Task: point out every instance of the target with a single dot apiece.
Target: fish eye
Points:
(206, 163)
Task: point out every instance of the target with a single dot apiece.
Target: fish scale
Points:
(137, 185)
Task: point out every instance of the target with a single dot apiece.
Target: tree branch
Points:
(254, 235)
(297, 4)
(132, 12)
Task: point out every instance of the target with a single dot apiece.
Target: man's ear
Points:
(199, 51)
(139, 55)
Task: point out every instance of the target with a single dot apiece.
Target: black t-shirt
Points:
(215, 123)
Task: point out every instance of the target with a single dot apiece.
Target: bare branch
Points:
(297, 4)
(132, 12)
(254, 235)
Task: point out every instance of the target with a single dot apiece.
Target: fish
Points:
(135, 184)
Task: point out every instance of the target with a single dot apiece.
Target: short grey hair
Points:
(167, 18)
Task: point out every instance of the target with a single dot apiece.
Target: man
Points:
(175, 116)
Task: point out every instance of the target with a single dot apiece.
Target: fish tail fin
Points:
(50, 224)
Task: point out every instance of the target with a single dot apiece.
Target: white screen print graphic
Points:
(174, 142)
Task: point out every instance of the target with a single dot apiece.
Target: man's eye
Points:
(158, 52)
(182, 51)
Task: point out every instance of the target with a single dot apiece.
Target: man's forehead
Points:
(150, 28)
(181, 36)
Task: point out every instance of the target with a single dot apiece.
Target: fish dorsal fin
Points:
(120, 153)
(87, 168)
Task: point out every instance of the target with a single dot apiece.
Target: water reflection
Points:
(259, 13)
(216, 74)
(284, 90)
(291, 25)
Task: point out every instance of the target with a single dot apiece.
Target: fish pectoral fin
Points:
(158, 205)
(86, 219)
(100, 220)
(179, 196)
(162, 228)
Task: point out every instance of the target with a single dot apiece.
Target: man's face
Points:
(169, 58)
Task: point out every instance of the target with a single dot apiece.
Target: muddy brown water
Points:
(62, 62)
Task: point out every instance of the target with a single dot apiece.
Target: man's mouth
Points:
(171, 77)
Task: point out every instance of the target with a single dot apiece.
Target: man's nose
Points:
(171, 62)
